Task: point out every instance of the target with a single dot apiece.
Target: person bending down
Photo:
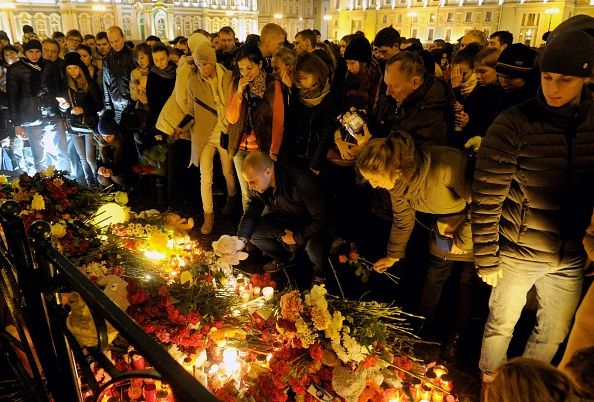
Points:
(295, 216)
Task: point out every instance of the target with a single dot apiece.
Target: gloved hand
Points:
(474, 143)
(492, 277)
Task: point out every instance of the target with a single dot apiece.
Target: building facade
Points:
(138, 18)
(451, 19)
(292, 15)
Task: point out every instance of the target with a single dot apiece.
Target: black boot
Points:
(231, 204)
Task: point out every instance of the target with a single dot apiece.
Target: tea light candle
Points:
(245, 296)
(256, 290)
(268, 293)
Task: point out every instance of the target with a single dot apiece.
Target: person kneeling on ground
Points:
(295, 216)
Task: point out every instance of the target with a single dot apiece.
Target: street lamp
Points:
(551, 12)
(278, 16)
(411, 15)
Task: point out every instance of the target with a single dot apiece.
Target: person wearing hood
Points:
(160, 81)
(83, 102)
(25, 96)
(533, 195)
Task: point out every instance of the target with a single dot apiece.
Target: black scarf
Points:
(168, 73)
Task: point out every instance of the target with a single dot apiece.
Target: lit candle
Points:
(440, 370)
(268, 293)
(150, 392)
(245, 296)
(138, 362)
(256, 291)
(426, 392)
(437, 395)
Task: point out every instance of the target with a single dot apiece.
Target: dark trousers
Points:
(271, 228)
(438, 272)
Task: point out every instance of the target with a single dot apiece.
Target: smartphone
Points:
(353, 124)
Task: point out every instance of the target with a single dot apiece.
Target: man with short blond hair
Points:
(117, 66)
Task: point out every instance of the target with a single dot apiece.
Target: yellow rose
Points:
(3, 180)
(49, 172)
(121, 197)
(15, 184)
(38, 203)
(58, 230)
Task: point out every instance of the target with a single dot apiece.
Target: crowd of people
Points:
(486, 143)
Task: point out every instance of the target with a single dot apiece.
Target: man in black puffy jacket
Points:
(117, 66)
(25, 101)
(533, 194)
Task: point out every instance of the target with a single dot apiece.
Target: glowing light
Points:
(154, 255)
(229, 13)
(213, 369)
(412, 14)
(230, 363)
(278, 16)
(7, 5)
(110, 213)
(99, 8)
(327, 17)
(552, 11)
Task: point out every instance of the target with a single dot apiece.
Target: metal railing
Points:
(34, 274)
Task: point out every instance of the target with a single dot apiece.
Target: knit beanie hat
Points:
(73, 59)
(579, 22)
(563, 56)
(358, 49)
(107, 124)
(205, 53)
(32, 44)
(517, 61)
(196, 39)
(4, 35)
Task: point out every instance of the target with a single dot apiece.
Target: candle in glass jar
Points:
(150, 392)
(245, 296)
(138, 362)
(437, 395)
(268, 293)
(426, 392)
(446, 382)
(256, 290)
(415, 389)
(440, 370)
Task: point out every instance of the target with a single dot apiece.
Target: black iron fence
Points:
(54, 366)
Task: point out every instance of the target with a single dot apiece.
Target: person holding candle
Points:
(295, 217)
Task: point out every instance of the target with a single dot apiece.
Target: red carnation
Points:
(316, 351)
(193, 318)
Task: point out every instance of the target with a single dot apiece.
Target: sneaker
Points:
(277, 265)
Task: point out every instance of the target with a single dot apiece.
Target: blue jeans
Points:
(558, 290)
(56, 145)
(35, 135)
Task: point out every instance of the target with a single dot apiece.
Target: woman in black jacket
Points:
(82, 104)
(117, 157)
(312, 109)
(160, 82)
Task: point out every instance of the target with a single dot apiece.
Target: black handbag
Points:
(77, 125)
(135, 118)
(224, 141)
